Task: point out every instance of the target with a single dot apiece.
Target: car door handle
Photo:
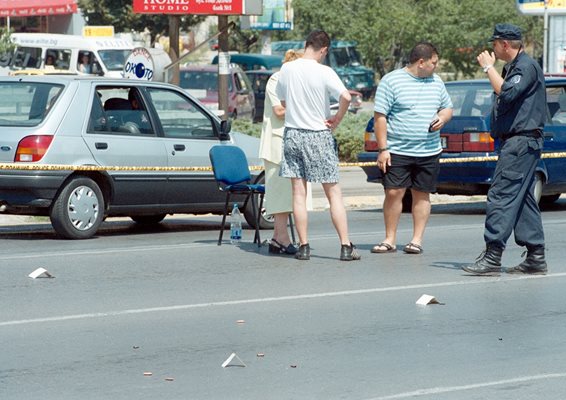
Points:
(179, 147)
(101, 145)
(548, 135)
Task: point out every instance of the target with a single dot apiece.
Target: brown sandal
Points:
(378, 248)
(413, 248)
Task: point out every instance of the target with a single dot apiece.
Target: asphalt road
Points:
(170, 302)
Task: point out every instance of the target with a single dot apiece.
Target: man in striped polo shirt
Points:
(411, 106)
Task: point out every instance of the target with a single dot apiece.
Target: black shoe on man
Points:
(488, 263)
(304, 252)
(534, 264)
(349, 253)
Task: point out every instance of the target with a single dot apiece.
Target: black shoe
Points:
(349, 253)
(277, 248)
(304, 252)
(488, 263)
(534, 264)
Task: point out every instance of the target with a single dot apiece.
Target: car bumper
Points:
(29, 189)
(456, 177)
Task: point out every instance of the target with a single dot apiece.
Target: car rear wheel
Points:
(539, 182)
(78, 209)
(148, 219)
(551, 198)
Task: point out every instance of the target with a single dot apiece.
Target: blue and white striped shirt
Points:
(410, 105)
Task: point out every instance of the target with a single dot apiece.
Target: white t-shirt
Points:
(306, 87)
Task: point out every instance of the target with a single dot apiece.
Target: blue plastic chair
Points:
(232, 174)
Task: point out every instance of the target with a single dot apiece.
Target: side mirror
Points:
(225, 128)
(96, 70)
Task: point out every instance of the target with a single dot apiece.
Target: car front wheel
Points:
(78, 209)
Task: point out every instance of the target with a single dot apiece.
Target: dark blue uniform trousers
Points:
(511, 206)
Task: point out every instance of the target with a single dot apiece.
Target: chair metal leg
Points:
(224, 218)
(256, 218)
(292, 228)
(257, 221)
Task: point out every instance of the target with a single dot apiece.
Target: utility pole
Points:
(174, 24)
(545, 39)
(223, 65)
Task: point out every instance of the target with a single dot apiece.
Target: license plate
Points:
(444, 141)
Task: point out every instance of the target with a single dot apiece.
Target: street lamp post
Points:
(545, 39)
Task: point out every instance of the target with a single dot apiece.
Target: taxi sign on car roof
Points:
(139, 65)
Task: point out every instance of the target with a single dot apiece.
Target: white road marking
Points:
(116, 313)
(451, 389)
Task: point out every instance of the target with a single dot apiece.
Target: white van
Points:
(68, 53)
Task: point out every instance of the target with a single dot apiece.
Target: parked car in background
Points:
(254, 61)
(123, 123)
(202, 82)
(259, 78)
(468, 135)
(342, 58)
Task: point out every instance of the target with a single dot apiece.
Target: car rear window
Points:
(470, 100)
(26, 103)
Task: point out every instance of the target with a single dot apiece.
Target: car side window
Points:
(119, 110)
(180, 117)
(27, 57)
(238, 82)
(58, 59)
(556, 100)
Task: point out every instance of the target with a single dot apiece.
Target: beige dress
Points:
(278, 196)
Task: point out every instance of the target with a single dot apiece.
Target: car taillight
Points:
(370, 144)
(32, 148)
(468, 141)
(478, 141)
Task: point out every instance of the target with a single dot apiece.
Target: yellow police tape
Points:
(60, 167)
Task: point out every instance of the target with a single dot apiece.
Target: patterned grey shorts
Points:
(310, 155)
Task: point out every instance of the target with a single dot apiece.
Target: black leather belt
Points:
(535, 133)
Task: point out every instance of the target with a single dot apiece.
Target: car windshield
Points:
(26, 103)
(114, 60)
(470, 99)
(344, 56)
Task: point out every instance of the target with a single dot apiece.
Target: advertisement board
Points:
(204, 7)
(536, 7)
(277, 16)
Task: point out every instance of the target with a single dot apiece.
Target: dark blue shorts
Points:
(419, 173)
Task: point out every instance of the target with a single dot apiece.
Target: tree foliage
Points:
(6, 44)
(123, 19)
(386, 30)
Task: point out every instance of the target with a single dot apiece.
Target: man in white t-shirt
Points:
(310, 152)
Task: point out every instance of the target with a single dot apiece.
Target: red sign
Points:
(206, 7)
(30, 8)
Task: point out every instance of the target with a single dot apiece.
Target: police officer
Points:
(517, 120)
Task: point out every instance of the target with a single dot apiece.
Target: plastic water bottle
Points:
(235, 225)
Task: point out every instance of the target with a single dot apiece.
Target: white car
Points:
(125, 124)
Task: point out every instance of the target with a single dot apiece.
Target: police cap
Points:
(506, 32)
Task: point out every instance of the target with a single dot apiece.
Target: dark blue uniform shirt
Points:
(520, 108)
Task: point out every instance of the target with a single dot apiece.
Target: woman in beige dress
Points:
(278, 197)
